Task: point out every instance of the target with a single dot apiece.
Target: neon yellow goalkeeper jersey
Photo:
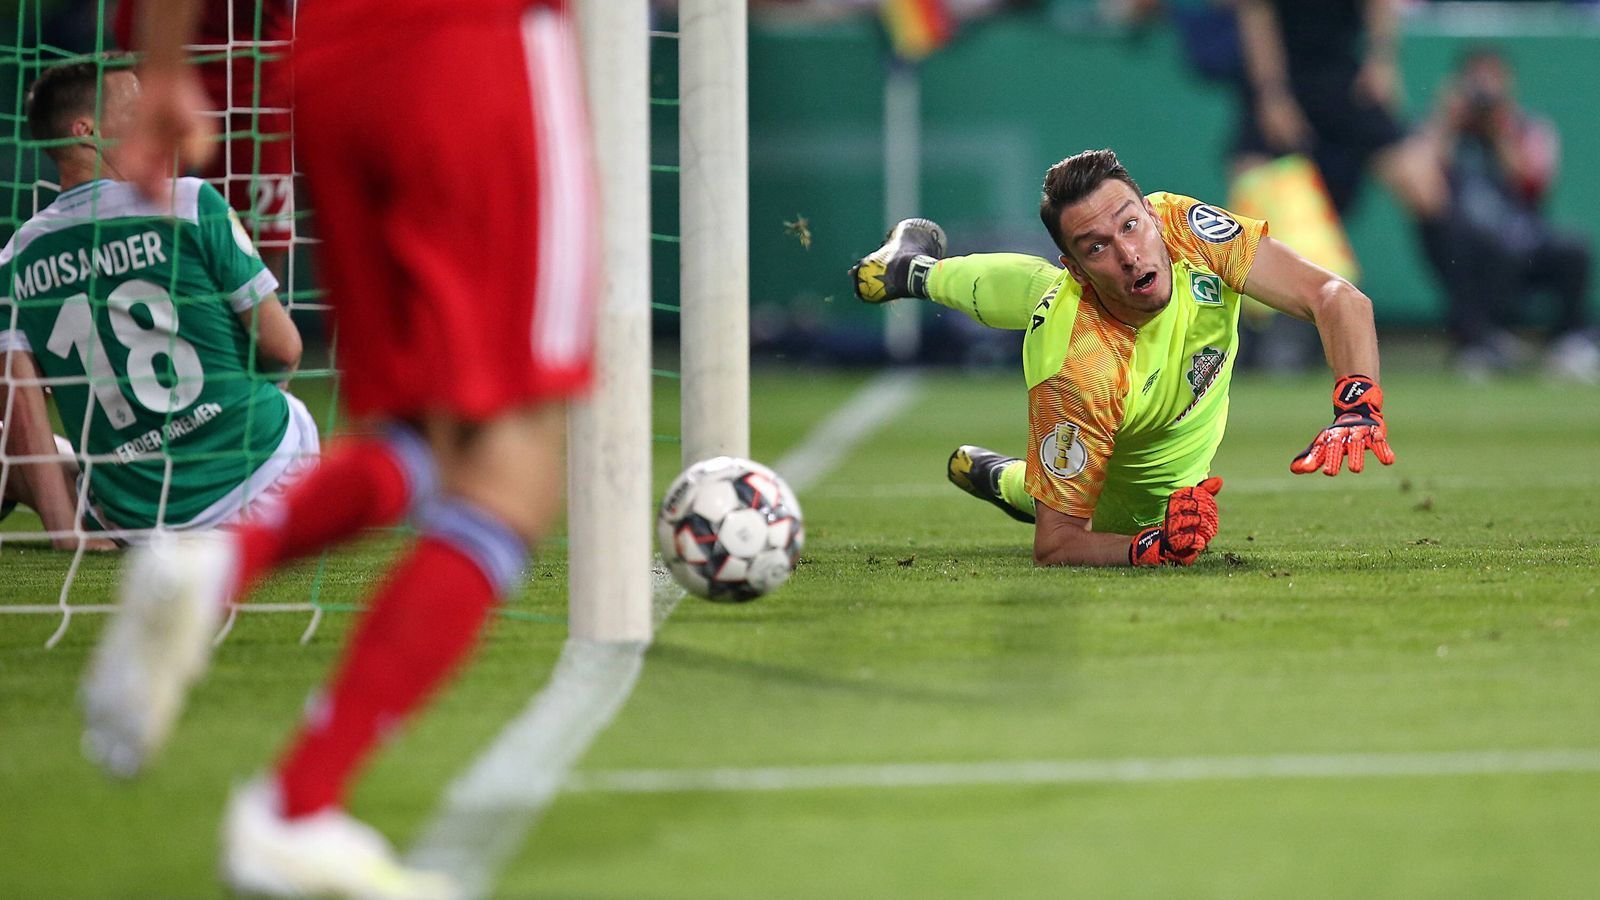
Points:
(1120, 417)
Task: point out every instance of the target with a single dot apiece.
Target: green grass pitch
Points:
(1446, 604)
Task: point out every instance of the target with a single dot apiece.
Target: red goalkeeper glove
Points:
(1191, 522)
(1357, 427)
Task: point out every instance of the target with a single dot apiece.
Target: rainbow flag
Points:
(917, 27)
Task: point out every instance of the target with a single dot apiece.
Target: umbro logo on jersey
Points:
(1207, 289)
(1212, 225)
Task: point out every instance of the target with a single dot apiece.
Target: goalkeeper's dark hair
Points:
(1075, 178)
(65, 92)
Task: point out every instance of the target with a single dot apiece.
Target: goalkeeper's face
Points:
(1114, 245)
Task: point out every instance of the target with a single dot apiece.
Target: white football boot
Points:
(325, 854)
(170, 602)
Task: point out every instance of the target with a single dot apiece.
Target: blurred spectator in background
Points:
(1320, 78)
(1502, 162)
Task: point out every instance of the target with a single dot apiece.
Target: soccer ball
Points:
(730, 529)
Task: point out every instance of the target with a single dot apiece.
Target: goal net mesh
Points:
(240, 45)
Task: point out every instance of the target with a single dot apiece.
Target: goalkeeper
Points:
(1128, 356)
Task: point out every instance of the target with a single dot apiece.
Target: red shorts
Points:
(453, 190)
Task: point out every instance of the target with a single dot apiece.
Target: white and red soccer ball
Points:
(730, 529)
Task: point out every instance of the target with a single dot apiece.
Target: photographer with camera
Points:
(1502, 161)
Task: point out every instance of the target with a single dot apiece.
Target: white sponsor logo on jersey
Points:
(1204, 367)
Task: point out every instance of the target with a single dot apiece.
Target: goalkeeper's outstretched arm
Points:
(1288, 282)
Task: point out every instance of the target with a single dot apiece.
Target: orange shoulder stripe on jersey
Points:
(1209, 236)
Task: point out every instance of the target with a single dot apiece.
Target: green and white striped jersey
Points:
(131, 313)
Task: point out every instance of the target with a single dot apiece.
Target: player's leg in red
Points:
(464, 291)
(289, 831)
(472, 306)
(499, 496)
(362, 482)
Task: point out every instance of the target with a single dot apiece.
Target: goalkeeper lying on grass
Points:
(1128, 354)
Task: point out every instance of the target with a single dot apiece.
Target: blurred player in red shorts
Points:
(254, 166)
(447, 149)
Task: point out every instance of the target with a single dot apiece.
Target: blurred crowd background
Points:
(1478, 235)
(1491, 95)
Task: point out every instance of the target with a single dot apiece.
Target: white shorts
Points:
(259, 495)
(262, 493)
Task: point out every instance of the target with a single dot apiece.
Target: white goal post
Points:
(611, 504)
(714, 208)
(608, 458)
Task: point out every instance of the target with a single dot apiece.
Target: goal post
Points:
(714, 210)
(609, 502)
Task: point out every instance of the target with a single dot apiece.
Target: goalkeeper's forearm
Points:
(1290, 283)
(1091, 548)
(1063, 540)
(1349, 339)
(994, 289)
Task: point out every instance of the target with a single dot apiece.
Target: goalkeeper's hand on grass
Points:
(901, 266)
(1357, 427)
(1191, 522)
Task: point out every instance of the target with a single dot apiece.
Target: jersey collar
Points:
(83, 188)
(1104, 313)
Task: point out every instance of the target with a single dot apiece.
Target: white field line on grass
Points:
(1090, 771)
(837, 436)
(488, 810)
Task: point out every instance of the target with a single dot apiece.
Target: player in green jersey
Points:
(157, 331)
(1128, 355)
